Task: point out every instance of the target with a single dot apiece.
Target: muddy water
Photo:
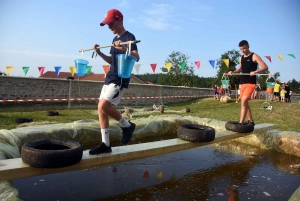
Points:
(207, 173)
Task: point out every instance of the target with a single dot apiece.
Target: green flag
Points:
(88, 70)
(25, 69)
(292, 55)
(238, 59)
(182, 65)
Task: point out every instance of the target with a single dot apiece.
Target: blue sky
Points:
(50, 33)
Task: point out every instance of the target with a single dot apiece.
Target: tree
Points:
(233, 56)
(177, 76)
(294, 85)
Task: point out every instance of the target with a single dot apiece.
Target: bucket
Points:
(225, 84)
(270, 84)
(125, 65)
(81, 66)
(270, 90)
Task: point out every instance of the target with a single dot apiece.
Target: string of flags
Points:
(168, 65)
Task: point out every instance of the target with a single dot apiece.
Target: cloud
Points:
(158, 17)
(124, 4)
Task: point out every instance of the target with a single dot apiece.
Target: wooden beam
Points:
(15, 168)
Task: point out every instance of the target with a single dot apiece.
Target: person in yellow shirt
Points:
(276, 91)
(282, 94)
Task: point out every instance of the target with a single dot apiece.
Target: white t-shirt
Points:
(290, 93)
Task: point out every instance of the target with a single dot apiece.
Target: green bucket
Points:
(225, 84)
(270, 84)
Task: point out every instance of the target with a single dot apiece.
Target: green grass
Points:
(285, 116)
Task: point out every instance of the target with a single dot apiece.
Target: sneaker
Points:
(100, 149)
(127, 133)
(251, 122)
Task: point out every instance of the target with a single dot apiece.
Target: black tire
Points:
(236, 127)
(52, 113)
(23, 120)
(51, 153)
(196, 133)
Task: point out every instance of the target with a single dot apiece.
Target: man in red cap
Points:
(114, 86)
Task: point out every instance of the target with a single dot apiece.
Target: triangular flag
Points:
(146, 174)
(88, 70)
(197, 63)
(9, 69)
(172, 177)
(137, 68)
(238, 59)
(106, 68)
(159, 175)
(212, 63)
(226, 61)
(292, 55)
(25, 69)
(269, 58)
(168, 66)
(280, 57)
(41, 70)
(182, 65)
(72, 70)
(153, 66)
(57, 70)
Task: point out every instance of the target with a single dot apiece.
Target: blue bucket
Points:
(81, 66)
(225, 84)
(125, 65)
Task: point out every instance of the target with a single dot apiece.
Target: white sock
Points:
(124, 123)
(105, 136)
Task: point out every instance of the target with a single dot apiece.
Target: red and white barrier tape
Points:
(93, 99)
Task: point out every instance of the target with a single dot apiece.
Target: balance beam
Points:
(15, 168)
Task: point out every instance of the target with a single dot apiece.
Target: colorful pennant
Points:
(292, 55)
(159, 175)
(88, 70)
(9, 69)
(25, 69)
(226, 61)
(72, 70)
(212, 63)
(57, 70)
(182, 65)
(106, 68)
(41, 70)
(280, 57)
(269, 58)
(197, 63)
(238, 59)
(153, 66)
(146, 174)
(168, 66)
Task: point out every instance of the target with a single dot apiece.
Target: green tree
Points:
(177, 76)
(233, 56)
(294, 85)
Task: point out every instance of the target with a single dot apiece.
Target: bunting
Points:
(41, 70)
(212, 63)
(238, 59)
(57, 70)
(269, 58)
(280, 57)
(153, 66)
(168, 66)
(226, 61)
(137, 68)
(197, 63)
(88, 70)
(292, 55)
(72, 70)
(182, 65)
(9, 69)
(25, 69)
(106, 68)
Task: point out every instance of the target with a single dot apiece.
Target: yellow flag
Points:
(226, 61)
(280, 57)
(159, 175)
(72, 70)
(9, 69)
(168, 66)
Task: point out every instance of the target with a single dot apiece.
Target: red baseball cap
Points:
(110, 16)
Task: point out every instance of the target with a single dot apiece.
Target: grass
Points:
(285, 116)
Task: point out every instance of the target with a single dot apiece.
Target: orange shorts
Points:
(247, 90)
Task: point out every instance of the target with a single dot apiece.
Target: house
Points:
(91, 77)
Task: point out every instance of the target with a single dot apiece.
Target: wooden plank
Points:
(14, 168)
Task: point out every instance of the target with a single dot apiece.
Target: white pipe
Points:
(123, 43)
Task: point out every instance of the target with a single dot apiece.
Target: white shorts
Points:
(112, 93)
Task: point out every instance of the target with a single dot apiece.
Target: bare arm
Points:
(122, 48)
(260, 62)
(106, 58)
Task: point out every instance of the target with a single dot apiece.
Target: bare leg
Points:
(105, 110)
(245, 110)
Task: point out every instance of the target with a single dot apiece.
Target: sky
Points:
(51, 33)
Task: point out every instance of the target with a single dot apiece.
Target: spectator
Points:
(282, 94)
(221, 91)
(216, 92)
(276, 91)
(287, 95)
(256, 91)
